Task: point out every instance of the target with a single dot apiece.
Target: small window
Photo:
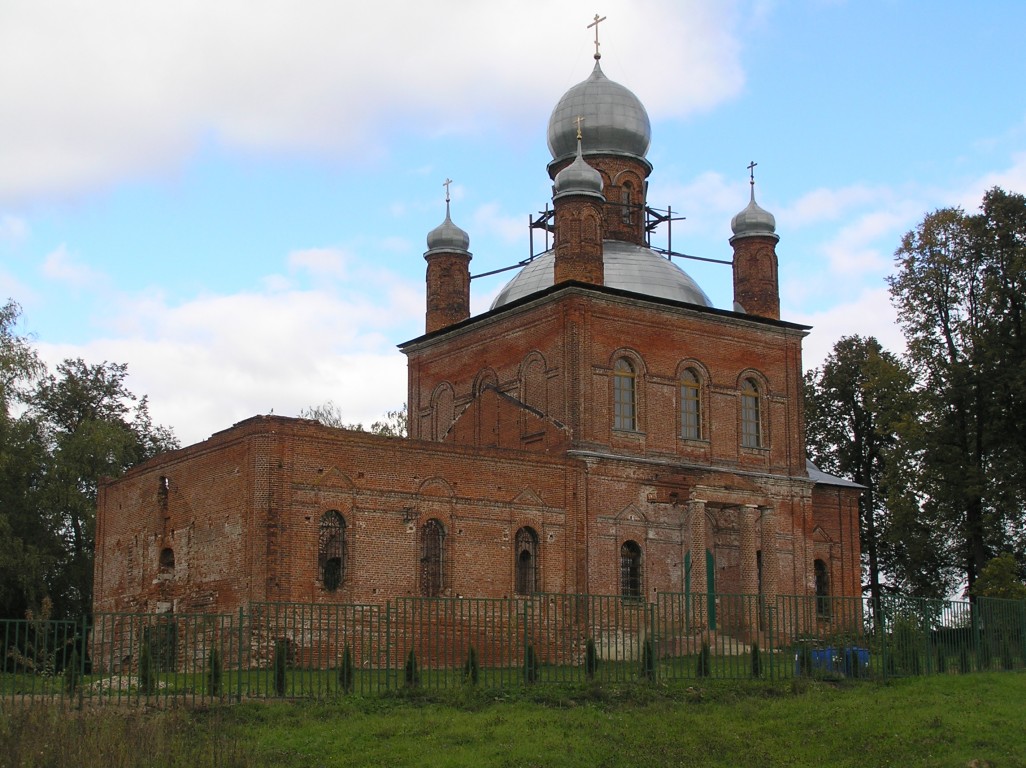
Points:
(167, 560)
(526, 561)
(625, 200)
(624, 396)
(432, 554)
(690, 406)
(630, 569)
(331, 550)
(822, 589)
(751, 421)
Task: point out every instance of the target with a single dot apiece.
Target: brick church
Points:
(601, 429)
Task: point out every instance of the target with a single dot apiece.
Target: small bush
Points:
(703, 667)
(756, 660)
(147, 673)
(411, 676)
(345, 670)
(214, 673)
(648, 661)
(280, 665)
(72, 673)
(591, 660)
(470, 670)
(530, 666)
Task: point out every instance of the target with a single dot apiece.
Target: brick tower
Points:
(578, 202)
(448, 273)
(755, 240)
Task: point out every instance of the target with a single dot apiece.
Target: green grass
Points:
(934, 721)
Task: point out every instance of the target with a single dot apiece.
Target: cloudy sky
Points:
(232, 197)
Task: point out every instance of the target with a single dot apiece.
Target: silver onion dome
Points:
(578, 178)
(753, 220)
(625, 266)
(615, 121)
(447, 236)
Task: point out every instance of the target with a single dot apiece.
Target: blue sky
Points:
(232, 197)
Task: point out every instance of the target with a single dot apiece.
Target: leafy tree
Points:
(1000, 578)
(392, 424)
(860, 412)
(959, 292)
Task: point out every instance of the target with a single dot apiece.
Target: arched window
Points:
(527, 561)
(625, 202)
(331, 550)
(432, 558)
(167, 560)
(630, 569)
(751, 421)
(690, 406)
(822, 589)
(625, 400)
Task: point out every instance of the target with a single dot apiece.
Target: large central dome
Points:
(614, 120)
(627, 267)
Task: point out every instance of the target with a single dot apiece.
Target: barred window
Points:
(432, 558)
(331, 550)
(822, 589)
(630, 569)
(751, 416)
(690, 406)
(527, 561)
(625, 399)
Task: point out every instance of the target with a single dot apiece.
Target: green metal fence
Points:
(318, 651)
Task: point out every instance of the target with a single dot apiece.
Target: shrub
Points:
(756, 660)
(530, 666)
(703, 667)
(411, 677)
(470, 670)
(345, 670)
(147, 673)
(591, 660)
(72, 673)
(648, 661)
(280, 665)
(214, 673)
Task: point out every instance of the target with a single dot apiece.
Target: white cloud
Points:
(63, 266)
(510, 229)
(98, 91)
(13, 229)
(1011, 179)
(868, 313)
(321, 262)
(829, 204)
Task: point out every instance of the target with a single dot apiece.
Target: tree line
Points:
(937, 434)
(60, 433)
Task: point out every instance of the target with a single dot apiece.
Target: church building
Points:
(601, 429)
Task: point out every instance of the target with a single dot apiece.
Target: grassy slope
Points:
(938, 721)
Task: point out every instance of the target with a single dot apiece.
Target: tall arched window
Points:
(526, 561)
(432, 558)
(331, 550)
(626, 202)
(630, 569)
(625, 399)
(690, 406)
(822, 589)
(751, 416)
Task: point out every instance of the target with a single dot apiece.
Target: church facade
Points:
(601, 430)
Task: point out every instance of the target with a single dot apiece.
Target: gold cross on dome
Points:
(446, 184)
(598, 20)
(578, 120)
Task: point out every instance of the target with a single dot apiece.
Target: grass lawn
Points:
(948, 720)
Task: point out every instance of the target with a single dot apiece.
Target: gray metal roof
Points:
(753, 220)
(615, 120)
(626, 266)
(821, 477)
(578, 178)
(447, 236)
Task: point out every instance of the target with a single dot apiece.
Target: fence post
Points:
(238, 657)
(388, 645)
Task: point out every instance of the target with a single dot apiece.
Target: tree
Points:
(959, 292)
(858, 412)
(91, 427)
(392, 424)
(1000, 578)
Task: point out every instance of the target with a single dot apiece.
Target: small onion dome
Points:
(615, 120)
(578, 178)
(754, 220)
(447, 236)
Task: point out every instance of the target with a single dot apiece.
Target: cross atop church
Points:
(446, 184)
(595, 24)
(751, 172)
(578, 120)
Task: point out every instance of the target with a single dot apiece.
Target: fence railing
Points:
(316, 651)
